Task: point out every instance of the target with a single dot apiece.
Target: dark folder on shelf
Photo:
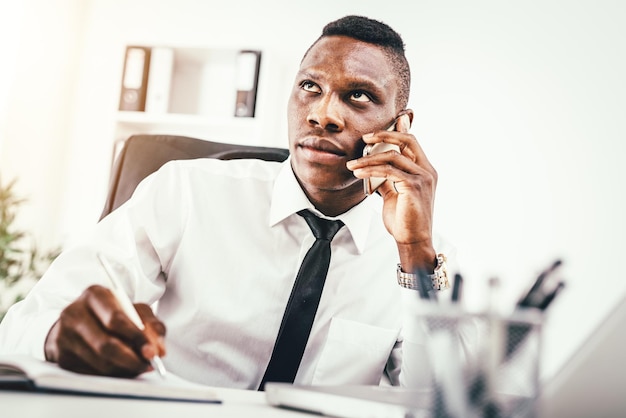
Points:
(135, 78)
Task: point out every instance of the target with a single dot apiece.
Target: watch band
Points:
(439, 279)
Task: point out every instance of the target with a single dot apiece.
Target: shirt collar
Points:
(289, 198)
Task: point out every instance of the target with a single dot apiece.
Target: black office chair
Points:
(141, 155)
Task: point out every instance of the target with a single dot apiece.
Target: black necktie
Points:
(305, 296)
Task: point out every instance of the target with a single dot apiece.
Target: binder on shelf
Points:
(248, 65)
(159, 80)
(135, 78)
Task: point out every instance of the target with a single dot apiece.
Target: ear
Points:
(404, 120)
(411, 114)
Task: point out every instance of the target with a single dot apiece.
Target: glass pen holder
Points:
(482, 364)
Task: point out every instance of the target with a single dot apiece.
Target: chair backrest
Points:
(141, 155)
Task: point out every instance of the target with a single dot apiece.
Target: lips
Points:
(322, 145)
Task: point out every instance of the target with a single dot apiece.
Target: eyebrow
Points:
(306, 74)
(365, 85)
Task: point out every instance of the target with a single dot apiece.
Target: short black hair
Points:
(378, 33)
(366, 30)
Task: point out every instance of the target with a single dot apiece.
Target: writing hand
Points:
(93, 335)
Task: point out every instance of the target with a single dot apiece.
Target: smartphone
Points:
(370, 184)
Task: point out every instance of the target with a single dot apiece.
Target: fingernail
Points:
(161, 341)
(350, 164)
(367, 136)
(147, 351)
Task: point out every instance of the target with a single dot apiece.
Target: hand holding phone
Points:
(370, 184)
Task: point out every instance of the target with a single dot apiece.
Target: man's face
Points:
(345, 88)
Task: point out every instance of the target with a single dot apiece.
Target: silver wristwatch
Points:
(439, 278)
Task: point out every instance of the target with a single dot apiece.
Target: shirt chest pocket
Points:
(354, 353)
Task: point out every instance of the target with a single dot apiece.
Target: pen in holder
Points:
(484, 364)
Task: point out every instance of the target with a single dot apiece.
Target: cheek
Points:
(296, 102)
(297, 111)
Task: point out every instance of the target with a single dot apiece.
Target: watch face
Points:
(441, 260)
(441, 281)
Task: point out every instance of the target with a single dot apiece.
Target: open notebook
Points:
(27, 373)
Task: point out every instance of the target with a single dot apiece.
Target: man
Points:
(214, 246)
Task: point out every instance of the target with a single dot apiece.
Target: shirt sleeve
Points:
(126, 236)
(412, 362)
(430, 341)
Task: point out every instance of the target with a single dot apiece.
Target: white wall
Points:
(39, 42)
(519, 105)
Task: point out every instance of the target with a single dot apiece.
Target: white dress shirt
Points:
(218, 244)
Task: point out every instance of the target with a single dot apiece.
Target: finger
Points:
(79, 365)
(402, 178)
(70, 360)
(406, 175)
(409, 145)
(82, 360)
(384, 162)
(387, 187)
(155, 329)
(121, 342)
(81, 340)
(147, 342)
(114, 320)
(406, 142)
(410, 148)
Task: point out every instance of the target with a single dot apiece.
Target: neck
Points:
(335, 202)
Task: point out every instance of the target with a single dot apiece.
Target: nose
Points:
(326, 114)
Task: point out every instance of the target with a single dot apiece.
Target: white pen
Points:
(129, 308)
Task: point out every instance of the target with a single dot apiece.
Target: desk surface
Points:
(236, 404)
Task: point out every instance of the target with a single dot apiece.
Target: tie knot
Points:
(322, 228)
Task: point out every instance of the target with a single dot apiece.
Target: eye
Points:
(310, 87)
(359, 96)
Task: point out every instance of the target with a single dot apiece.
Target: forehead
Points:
(350, 60)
